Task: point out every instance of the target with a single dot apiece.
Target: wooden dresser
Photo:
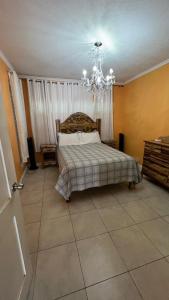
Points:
(156, 161)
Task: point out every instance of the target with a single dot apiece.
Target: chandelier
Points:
(97, 81)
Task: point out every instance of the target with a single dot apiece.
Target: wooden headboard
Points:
(78, 122)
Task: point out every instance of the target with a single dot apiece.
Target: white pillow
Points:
(89, 137)
(66, 139)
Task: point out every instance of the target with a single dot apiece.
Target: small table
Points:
(49, 155)
(109, 143)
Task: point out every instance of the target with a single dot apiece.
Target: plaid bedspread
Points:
(92, 165)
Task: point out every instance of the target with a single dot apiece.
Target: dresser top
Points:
(157, 143)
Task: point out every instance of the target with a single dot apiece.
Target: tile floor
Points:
(108, 243)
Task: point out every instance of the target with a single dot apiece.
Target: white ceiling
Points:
(53, 38)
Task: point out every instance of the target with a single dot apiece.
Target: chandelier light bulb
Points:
(84, 73)
(107, 77)
(111, 71)
(94, 69)
(98, 80)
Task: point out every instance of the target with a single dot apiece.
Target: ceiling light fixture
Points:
(97, 82)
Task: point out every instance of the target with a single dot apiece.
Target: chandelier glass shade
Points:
(97, 81)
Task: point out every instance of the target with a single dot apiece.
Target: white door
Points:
(15, 267)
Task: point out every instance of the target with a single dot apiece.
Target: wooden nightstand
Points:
(109, 143)
(49, 155)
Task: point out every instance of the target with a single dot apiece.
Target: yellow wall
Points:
(10, 117)
(141, 110)
(117, 107)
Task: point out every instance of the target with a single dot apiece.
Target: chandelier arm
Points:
(97, 81)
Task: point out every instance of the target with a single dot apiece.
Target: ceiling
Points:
(54, 38)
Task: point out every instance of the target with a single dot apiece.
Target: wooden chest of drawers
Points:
(156, 161)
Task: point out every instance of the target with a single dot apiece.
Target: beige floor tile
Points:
(34, 177)
(134, 247)
(139, 211)
(115, 217)
(58, 273)
(50, 182)
(81, 295)
(52, 170)
(87, 224)
(34, 262)
(31, 291)
(32, 213)
(158, 232)
(39, 171)
(163, 193)
(153, 280)
(126, 195)
(53, 208)
(32, 233)
(33, 185)
(80, 202)
(166, 218)
(33, 257)
(167, 259)
(33, 181)
(103, 197)
(117, 288)
(52, 194)
(99, 259)
(159, 204)
(143, 190)
(56, 232)
(52, 175)
(31, 197)
(34, 174)
(153, 183)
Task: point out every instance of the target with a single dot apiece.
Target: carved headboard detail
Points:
(78, 122)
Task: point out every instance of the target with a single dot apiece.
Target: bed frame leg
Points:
(131, 185)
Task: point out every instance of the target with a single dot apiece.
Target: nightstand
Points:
(49, 155)
(109, 143)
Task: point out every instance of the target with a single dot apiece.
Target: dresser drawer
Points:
(159, 160)
(165, 151)
(156, 161)
(153, 147)
(161, 169)
(154, 174)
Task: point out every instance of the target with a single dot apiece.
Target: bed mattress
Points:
(91, 165)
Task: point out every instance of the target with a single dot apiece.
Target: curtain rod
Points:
(55, 82)
(69, 82)
(56, 79)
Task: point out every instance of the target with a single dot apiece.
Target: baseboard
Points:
(23, 175)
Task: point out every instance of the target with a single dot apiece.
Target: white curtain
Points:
(19, 110)
(57, 100)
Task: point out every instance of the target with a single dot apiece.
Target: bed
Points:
(91, 165)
